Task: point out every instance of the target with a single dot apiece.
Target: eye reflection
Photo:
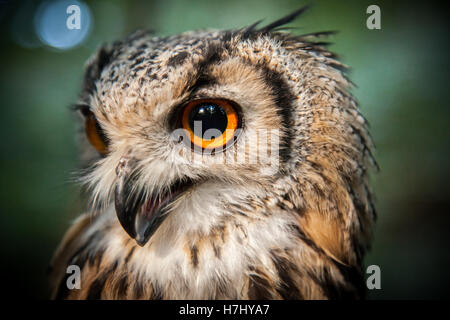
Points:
(211, 116)
(211, 123)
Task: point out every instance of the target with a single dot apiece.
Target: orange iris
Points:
(210, 123)
(95, 133)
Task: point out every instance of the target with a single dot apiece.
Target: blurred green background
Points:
(401, 72)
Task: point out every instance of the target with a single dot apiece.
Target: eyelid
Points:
(84, 109)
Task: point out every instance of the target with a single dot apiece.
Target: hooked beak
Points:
(139, 214)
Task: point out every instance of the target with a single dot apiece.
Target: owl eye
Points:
(94, 132)
(210, 123)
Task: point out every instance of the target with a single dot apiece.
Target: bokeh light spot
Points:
(53, 19)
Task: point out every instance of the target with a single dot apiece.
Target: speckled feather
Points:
(241, 232)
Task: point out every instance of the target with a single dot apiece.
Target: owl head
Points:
(191, 131)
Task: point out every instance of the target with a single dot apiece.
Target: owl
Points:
(220, 165)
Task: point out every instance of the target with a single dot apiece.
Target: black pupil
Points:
(212, 116)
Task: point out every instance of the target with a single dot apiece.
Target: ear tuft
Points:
(285, 20)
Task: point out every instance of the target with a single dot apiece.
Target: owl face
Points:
(192, 129)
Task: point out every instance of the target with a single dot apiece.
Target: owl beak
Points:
(129, 204)
(140, 214)
(139, 217)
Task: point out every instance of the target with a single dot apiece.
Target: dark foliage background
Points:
(402, 76)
